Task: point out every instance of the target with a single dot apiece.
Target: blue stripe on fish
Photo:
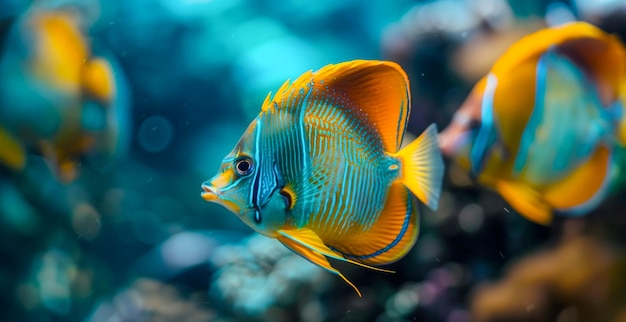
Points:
(528, 136)
(479, 149)
(254, 192)
(614, 112)
(303, 143)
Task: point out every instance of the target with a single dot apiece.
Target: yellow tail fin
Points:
(422, 167)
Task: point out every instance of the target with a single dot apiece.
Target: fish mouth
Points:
(212, 194)
(452, 140)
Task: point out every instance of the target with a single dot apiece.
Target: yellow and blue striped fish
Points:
(542, 127)
(321, 170)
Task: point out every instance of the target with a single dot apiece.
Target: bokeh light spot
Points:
(155, 134)
(471, 218)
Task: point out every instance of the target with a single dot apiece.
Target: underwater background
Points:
(122, 234)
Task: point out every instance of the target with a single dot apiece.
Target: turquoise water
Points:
(130, 239)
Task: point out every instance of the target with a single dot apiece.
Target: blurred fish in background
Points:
(59, 98)
(64, 119)
(542, 126)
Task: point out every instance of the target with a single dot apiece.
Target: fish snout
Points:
(210, 193)
(446, 143)
(452, 139)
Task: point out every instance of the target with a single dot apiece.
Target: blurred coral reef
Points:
(130, 239)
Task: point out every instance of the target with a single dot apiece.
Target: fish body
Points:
(321, 169)
(58, 98)
(542, 126)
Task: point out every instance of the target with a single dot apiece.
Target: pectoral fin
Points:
(526, 200)
(315, 258)
(311, 240)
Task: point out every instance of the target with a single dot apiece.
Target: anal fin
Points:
(391, 237)
(525, 200)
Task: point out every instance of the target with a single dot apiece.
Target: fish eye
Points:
(243, 166)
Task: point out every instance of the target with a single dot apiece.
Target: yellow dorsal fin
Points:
(391, 237)
(314, 257)
(525, 200)
(590, 51)
(534, 45)
(375, 91)
(584, 187)
(585, 44)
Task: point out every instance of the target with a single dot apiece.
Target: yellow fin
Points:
(582, 185)
(535, 44)
(590, 51)
(309, 239)
(585, 44)
(306, 243)
(392, 236)
(422, 167)
(12, 153)
(375, 91)
(526, 201)
(98, 79)
(314, 257)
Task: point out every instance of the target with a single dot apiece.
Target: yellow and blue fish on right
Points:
(542, 127)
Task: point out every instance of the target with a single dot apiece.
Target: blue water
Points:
(132, 240)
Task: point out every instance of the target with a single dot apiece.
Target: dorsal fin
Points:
(591, 53)
(584, 43)
(374, 91)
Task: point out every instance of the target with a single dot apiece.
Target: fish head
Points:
(457, 139)
(249, 185)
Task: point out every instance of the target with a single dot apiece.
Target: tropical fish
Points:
(321, 169)
(57, 98)
(542, 126)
